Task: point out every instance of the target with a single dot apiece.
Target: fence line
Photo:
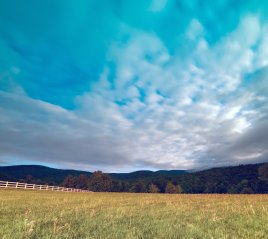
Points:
(18, 185)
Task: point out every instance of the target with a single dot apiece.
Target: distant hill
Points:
(48, 174)
(38, 172)
(143, 174)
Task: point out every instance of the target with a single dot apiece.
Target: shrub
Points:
(172, 189)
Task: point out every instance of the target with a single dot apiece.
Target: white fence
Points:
(18, 185)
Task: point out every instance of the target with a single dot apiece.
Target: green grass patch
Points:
(41, 214)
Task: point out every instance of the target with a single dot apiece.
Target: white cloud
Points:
(195, 30)
(161, 111)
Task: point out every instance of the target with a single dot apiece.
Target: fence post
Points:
(17, 184)
(6, 183)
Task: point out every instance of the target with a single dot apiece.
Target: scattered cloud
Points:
(151, 105)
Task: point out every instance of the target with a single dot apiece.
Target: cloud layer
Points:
(161, 85)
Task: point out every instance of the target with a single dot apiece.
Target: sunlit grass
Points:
(34, 214)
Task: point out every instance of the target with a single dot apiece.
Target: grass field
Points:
(40, 214)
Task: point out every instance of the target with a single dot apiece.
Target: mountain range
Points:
(48, 174)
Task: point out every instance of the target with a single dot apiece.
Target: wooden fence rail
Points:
(18, 185)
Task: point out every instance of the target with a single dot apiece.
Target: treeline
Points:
(244, 179)
(101, 182)
(239, 179)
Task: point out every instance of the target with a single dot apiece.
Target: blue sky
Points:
(128, 85)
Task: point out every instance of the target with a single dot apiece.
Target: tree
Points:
(172, 189)
(233, 189)
(82, 181)
(161, 183)
(100, 182)
(263, 172)
(120, 186)
(220, 189)
(139, 187)
(153, 188)
(69, 181)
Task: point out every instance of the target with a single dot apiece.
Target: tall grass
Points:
(34, 214)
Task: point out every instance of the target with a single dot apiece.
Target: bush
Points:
(172, 189)
(153, 188)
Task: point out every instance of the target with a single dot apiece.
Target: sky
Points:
(125, 85)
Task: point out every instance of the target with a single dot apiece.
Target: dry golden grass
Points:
(34, 214)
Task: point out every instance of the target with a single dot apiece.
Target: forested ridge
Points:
(248, 179)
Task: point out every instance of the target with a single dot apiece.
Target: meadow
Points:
(41, 214)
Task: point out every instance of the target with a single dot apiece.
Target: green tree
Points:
(173, 189)
(100, 182)
(153, 188)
